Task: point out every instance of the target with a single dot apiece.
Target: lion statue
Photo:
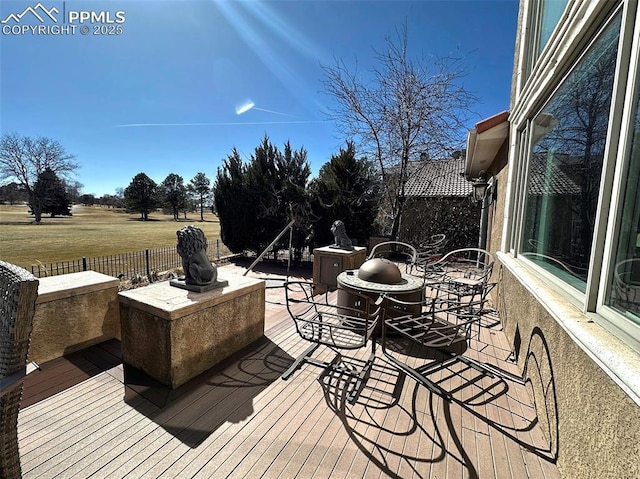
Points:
(341, 240)
(192, 248)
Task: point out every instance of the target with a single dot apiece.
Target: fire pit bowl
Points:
(380, 270)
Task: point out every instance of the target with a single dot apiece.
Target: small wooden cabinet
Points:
(329, 262)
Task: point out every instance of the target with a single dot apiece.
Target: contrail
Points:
(271, 111)
(237, 123)
(250, 105)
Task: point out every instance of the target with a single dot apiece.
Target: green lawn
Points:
(91, 231)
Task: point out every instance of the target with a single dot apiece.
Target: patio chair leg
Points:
(409, 371)
(492, 371)
(361, 380)
(304, 357)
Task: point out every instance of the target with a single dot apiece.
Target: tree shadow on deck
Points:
(223, 394)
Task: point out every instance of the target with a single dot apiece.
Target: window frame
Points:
(615, 161)
(532, 53)
(606, 316)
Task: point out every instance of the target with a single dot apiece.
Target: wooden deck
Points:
(87, 415)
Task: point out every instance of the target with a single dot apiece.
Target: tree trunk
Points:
(397, 217)
(36, 207)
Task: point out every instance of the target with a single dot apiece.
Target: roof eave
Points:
(483, 143)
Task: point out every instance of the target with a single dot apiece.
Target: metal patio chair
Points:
(396, 251)
(18, 291)
(463, 269)
(443, 326)
(427, 252)
(337, 327)
(462, 275)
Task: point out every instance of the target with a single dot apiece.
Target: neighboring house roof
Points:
(438, 178)
(548, 178)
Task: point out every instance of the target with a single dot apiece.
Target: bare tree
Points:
(410, 110)
(23, 159)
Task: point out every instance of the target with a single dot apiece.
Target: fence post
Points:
(217, 250)
(84, 263)
(146, 259)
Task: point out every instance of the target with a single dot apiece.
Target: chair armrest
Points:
(9, 383)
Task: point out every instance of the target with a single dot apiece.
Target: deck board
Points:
(87, 415)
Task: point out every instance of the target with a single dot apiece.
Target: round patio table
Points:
(410, 289)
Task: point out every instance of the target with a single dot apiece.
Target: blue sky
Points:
(160, 96)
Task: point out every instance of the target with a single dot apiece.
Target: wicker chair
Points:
(19, 290)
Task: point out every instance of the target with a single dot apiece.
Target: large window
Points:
(550, 13)
(568, 138)
(574, 214)
(624, 289)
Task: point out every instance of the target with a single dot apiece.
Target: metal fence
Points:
(129, 265)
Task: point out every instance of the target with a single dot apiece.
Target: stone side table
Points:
(173, 334)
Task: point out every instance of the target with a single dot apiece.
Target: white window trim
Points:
(613, 161)
(607, 316)
(559, 53)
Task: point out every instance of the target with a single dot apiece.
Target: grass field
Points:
(91, 232)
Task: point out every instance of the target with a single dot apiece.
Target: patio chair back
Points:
(337, 326)
(433, 247)
(470, 263)
(18, 291)
(626, 284)
(396, 251)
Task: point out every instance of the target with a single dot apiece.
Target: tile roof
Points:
(438, 178)
(550, 178)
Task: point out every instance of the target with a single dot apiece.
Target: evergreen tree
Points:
(263, 187)
(256, 201)
(50, 195)
(141, 195)
(174, 194)
(232, 203)
(200, 187)
(293, 172)
(346, 189)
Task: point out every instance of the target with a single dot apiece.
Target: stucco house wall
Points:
(580, 375)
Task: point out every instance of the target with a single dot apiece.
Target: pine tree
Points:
(200, 187)
(346, 189)
(141, 195)
(50, 193)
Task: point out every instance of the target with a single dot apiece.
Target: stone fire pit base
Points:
(174, 334)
